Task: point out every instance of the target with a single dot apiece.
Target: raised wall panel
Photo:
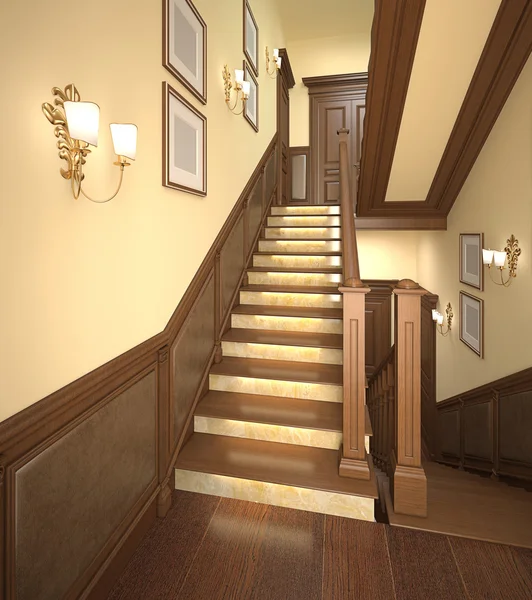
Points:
(72, 496)
(255, 210)
(477, 430)
(232, 263)
(450, 433)
(190, 354)
(515, 428)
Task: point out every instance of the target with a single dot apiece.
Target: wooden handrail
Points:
(351, 268)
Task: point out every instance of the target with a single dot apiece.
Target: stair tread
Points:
(271, 410)
(281, 370)
(286, 239)
(325, 270)
(298, 312)
(293, 289)
(272, 462)
(284, 338)
(285, 254)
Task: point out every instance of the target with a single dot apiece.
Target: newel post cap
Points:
(343, 130)
(408, 284)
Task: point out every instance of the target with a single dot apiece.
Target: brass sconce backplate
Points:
(70, 150)
(512, 253)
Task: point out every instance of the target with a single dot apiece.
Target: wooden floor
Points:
(464, 504)
(215, 548)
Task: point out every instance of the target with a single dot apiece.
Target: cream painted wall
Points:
(496, 200)
(82, 283)
(451, 40)
(388, 254)
(324, 56)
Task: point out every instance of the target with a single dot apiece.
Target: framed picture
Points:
(472, 322)
(471, 267)
(184, 144)
(185, 46)
(251, 38)
(251, 110)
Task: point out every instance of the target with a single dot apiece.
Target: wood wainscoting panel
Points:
(488, 428)
(255, 207)
(515, 441)
(73, 496)
(477, 431)
(378, 324)
(231, 264)
(190, 356)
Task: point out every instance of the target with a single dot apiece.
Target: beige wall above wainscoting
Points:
(496, 200)
(322, 56)
(82, 283)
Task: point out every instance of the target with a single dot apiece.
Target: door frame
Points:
(325, 88)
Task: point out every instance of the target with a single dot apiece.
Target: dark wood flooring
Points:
(216, 548)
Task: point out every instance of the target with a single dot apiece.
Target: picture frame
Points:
(251, 39)
(251, 109)
(185, 46)
(472, 322)
(184, 144)
(471, 265)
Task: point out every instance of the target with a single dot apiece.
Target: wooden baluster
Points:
(385, 424)
(409, 481)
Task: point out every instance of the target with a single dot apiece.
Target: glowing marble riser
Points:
(342, 505)
(293, 246)
(319, 279)
(293, 233)
(294, 261)
(302, 221)
(271, 323)
(286, 299)
(314, 438)
(273, 387)
(302, 210)
(328, 356)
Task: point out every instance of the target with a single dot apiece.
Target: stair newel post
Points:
(409, 481)
(245, 245)
(217, 309)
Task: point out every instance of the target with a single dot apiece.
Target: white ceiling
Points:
(311, 19)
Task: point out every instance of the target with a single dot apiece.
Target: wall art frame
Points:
(472, 322)
(185, 46)
(471, 266)
(251, 109)
(184, 144)
(251, 39)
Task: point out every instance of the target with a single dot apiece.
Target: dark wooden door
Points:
(332, 115)
(336, 102)
(283, 128)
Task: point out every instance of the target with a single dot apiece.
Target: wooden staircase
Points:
(269, 429)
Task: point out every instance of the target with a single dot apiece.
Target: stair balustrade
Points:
(353, 460)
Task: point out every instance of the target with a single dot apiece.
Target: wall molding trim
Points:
(163, 378)
(395, 33)
(487, 428)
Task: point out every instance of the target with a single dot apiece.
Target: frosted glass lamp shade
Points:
(499, 258)
(124, 139)
(440, 319)
(279, 60)
(83, 119)
(239, 76)
(434, 315)
(246, 87)
(487, 257)
(276, 53)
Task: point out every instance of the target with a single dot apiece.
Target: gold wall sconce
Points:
(438, 318)
(240, 87)
(497, 258)
(276, 60)
(76, 128)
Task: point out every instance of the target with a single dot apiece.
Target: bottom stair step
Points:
(278, 474)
